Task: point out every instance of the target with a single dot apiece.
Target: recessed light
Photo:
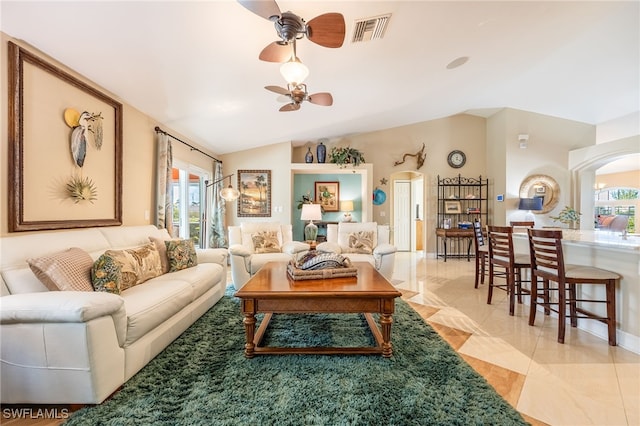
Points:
(457, 62)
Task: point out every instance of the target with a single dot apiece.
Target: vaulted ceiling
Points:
(193, 65)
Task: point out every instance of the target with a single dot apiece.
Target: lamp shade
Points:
(530, 203)
(346, 206)
(229, 194)
(311, 212)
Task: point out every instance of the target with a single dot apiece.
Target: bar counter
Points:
(614, 252)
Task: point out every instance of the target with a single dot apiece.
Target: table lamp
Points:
(530, 204)
(347, 208)
(311, 212)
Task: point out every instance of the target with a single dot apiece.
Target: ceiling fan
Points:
(298, 93)
(327, 30)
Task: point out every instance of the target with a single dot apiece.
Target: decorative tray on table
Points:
(318, 266)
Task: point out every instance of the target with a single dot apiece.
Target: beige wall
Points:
(138, 175)
(550, 140)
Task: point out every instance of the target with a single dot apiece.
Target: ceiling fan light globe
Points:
(294, 72)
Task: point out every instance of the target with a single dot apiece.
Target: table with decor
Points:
(276, 289)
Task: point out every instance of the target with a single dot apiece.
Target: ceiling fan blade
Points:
(265, 8)
(322, 98)
(290, 107)
(276, 52)
(277, 89)
(327, 30)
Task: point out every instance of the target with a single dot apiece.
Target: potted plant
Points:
(345, 155)
(568, 216)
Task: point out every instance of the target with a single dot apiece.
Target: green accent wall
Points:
(303, 184)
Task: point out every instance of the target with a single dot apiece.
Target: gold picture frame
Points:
(452, 207)
(255, 193)
(327, 194)
(41, 163)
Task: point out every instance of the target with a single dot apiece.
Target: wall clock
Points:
(456, 159)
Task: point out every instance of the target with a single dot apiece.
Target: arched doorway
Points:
(407, 210)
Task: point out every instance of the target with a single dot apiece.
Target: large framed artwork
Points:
(328, 196)
(255, 193)
(65, 149)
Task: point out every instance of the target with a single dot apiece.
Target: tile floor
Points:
(583, 382)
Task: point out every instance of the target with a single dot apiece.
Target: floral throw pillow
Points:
(361, 242)
(266, 242)
(137, 265)
(106, 275)
(181, 254)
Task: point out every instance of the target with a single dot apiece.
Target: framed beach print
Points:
(452, 207)
(255, 193)
(65, 148)
(328, 195)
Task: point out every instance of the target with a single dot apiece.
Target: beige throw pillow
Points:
(162, 252)
(361, 242)
(68, 270)
(266, 242)
(137, 265)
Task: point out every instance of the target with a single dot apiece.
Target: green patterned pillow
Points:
(181, 254)
(106, 275)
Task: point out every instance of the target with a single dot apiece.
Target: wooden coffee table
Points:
(272, 291)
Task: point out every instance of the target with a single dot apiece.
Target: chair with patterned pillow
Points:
(362, 242)
(253, 244)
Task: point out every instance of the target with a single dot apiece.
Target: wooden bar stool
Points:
(482, 252)
(501, 255)
(547, 264)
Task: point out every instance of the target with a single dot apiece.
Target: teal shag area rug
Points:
(203, 378)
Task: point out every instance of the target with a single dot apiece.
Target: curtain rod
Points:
(193, 148)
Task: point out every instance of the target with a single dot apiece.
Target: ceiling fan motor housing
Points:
(290, 27)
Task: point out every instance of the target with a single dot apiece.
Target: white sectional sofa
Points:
(78, 347)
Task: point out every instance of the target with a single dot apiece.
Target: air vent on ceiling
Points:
(370, 28)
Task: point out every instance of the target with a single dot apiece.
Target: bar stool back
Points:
(501, 255)
(482, 252)
(547, 265)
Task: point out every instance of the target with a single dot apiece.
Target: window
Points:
(187, 197)
(616, 201)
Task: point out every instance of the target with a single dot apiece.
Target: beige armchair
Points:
(362, 242)
(253, 244)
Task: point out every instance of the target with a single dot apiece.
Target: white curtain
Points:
(164, 213)
(218, 236)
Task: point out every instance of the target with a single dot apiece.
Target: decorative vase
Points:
(309, 157)
(321, 152)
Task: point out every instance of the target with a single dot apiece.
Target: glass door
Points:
(187, 197)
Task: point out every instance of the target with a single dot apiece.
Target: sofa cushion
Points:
(201, 277)
(106, 275)
(181, 254)
(68, 270)
(258, 262)
(358, 237)
(137, 265)
(151, 303)
(266, 242)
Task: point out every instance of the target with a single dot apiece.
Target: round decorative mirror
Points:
(541, 186)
